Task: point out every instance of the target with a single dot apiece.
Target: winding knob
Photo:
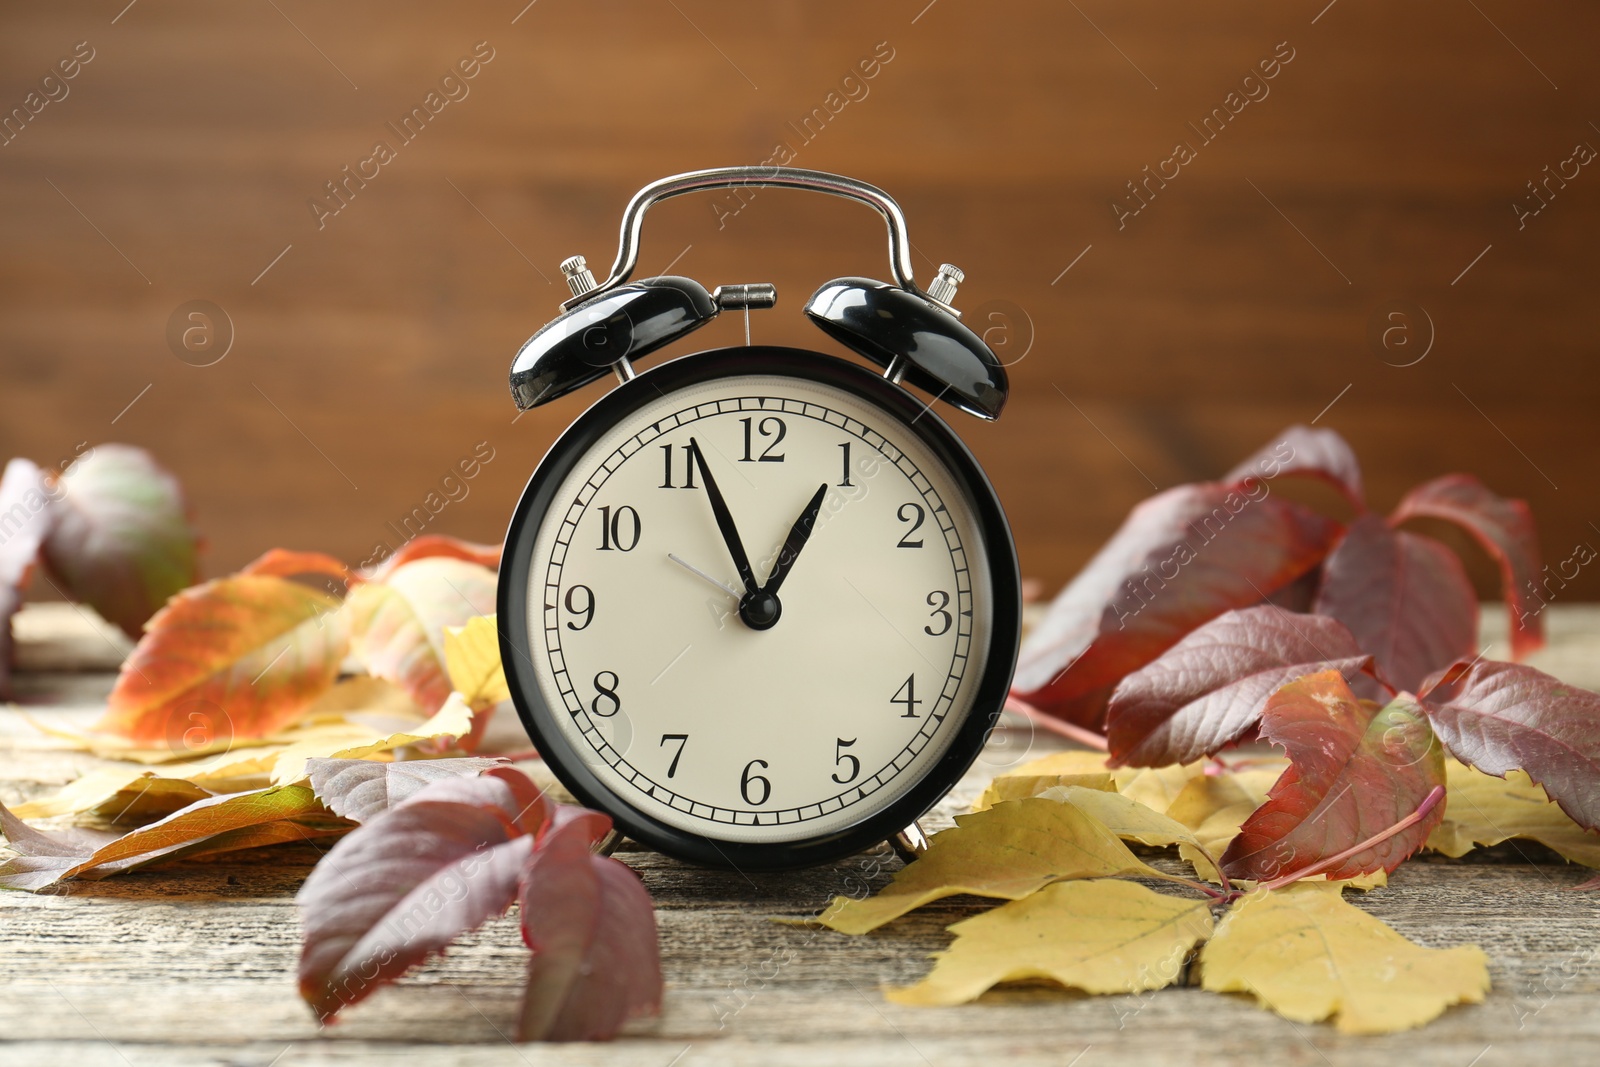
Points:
(580, 279)
(943, 288)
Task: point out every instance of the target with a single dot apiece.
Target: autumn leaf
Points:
(290, 563)
(243, 819)
(1355, 770)
(1214, 806)
(472, 660)
(1208, 690)
(1307, 954)
(1501, 717)
(359, 789)
(1305, 451)
(236, 657)
(432, 546)
(24, 521)
(41, 857)
(1154, 787)
(1098, 936)
(398, 624)
(1504, 527)
(113, 795)
(1485, 810)
(1133, 821)
(1007, 851)
(406, 884)
(1406, 598)
(1182, 557)
(120, 539)
(450, 722)
(592, 930)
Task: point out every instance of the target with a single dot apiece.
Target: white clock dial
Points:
(689, 714)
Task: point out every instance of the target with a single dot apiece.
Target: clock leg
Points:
(910, 843)
(608, 844)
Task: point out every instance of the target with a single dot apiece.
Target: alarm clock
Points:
(760, 605)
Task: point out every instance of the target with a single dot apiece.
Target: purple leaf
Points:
(121, 540)
(359, 789)
(1406, 599)
(42, 858)
(1181, 558)
(1502, 717)
(411, 881)
(596, 958)
(1301, 450)
(1504, 527)
(1209, 689)
(25, 517)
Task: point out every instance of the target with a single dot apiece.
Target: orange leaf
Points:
(397, 625)
(437, 545)
(237, 657)
(288, 563)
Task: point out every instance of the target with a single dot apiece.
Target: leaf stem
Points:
(1424, 809)
(1056, 726)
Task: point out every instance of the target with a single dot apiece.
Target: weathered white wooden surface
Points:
(195, 965)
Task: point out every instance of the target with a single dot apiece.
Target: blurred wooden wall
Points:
(1381, 163)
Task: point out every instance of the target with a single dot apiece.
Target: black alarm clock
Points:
(760, 605)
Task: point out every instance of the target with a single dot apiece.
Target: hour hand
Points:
(724, 517)
(799, 534)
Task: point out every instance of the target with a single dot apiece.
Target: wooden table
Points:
(195, 965)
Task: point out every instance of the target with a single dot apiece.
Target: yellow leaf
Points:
(1008, 851)
(114, 795)
(1214, 806)
(451, 721)
(1098, 936)
(472, 659)
(1133, 821)
(1154, 787)
(1307, 954)
(1484, 810)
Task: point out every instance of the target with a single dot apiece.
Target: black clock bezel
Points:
(999, 551)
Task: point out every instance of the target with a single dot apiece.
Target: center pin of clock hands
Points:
(759, 607)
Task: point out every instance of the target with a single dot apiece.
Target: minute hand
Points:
(799, 534)
(730, 532)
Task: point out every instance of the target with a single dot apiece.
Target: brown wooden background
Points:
(372, 355)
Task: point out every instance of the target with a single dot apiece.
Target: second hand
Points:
(692, 569)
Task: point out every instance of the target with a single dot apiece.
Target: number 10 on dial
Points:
(761, 606)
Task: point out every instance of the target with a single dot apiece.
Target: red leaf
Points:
(121, 540)
(408, 883)
(1504, 527)
(432, 545)
(1501, 717)
(289, 563)
(1301, 450)
(398, 623)
(360, 789)
(1181, 558)
(1206, 691)
(25, 517)
(1406, 599)
(1354, 771)
(234, 658)
(596, 959)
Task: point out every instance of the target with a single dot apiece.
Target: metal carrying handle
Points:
(760, 177)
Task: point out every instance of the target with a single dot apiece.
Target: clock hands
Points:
(730, 532)
(759, 607)
(692, 569)
(799, 534)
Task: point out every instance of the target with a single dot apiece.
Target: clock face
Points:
(785, 700)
